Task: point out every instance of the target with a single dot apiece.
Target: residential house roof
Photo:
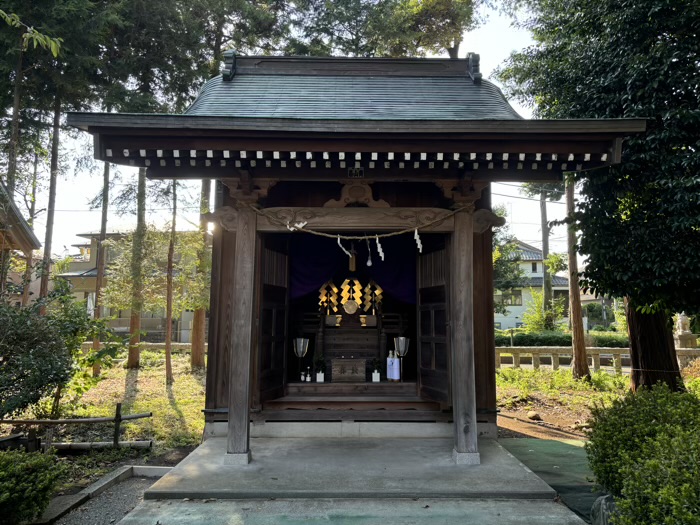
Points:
(557, 281)
(528, 252)
(15, 232)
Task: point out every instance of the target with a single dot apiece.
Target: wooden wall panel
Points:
(484, 344)
(218, 368)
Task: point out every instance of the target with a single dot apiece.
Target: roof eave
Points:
(115, 122)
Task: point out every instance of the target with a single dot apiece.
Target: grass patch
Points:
(518, 387)
(177, 409)
(177, 420)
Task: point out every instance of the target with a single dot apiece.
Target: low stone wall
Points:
(685, 355)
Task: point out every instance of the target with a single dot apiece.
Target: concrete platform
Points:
(353, 512)
(350, 468)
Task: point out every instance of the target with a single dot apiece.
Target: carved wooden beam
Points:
(356, 192)
(437, 220)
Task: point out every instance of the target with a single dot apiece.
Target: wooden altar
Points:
(362, 147)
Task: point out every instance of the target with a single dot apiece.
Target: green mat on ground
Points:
(561, 464)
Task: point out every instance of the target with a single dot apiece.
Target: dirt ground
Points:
(557, 423)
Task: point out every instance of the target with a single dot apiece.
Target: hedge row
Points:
(607, 340)
(644, 450)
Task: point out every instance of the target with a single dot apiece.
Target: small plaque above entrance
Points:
(348, 370)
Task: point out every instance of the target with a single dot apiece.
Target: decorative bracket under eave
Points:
(485, 219)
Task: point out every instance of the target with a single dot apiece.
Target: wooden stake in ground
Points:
(579, 363)
(169, 295)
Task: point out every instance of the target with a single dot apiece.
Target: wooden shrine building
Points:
(353, 207)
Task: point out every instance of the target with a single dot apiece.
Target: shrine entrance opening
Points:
(350, 308)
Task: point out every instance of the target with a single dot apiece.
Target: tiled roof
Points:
(529, 255)
(557, 280)
(345, 91)
(92, 272)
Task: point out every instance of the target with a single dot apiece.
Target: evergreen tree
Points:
(639, 220)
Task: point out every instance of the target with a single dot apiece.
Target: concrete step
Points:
(371, 511)
(352, 468)
(349, 389)
(302, 402)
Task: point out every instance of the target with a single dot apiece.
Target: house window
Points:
(511, 298)
(534, 267)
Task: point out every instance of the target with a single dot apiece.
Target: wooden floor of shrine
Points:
(351, 402)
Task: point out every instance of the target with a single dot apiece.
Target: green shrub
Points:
(502, 340)
(27, 481)
(520, 338)
(663, 486)
(611, 340)
(619, 431)
(542, 339)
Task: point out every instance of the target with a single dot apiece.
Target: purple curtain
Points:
(315, 260)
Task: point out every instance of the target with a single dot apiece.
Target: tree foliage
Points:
(190, 287)
(538, 319)
(630, 58)
(369, 28)
(639, 219)
(39, 353)
(31, 35)
(507, 273)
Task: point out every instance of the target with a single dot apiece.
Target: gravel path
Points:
(110, 506)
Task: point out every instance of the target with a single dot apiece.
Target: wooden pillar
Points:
(241, 339)
(466, 451)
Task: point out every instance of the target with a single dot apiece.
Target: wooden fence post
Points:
(117, 424)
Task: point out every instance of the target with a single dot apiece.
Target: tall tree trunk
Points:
(546, 277)
(101, 260)
(169, 295)
(51, 209)
(14, 127)
(199, 320)
(217, 51)
(652, 351)
(137, 273)
(579, 363)
(30, 257)
(453, 52)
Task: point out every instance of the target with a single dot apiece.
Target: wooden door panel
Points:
(274, 306)
(433, 347)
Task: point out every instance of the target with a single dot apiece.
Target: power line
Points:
(527, 198)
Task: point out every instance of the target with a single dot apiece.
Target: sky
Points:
(494, 40)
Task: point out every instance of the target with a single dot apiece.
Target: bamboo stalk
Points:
(101, 444)
(86, 420)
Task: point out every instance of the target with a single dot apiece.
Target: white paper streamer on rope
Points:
(369, 252)
(343, 247)
(297, 226)
(379, 248)
(418, 241)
